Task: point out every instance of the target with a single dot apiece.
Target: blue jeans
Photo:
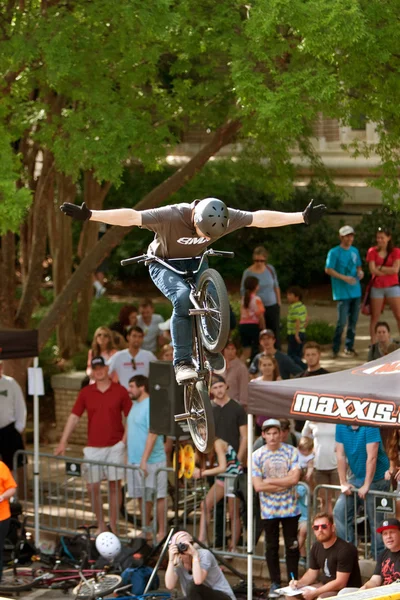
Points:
(177, 291)
(295, 350)
(348, 311)
(345, 507)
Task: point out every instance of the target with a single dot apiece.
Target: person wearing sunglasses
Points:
(134, 360)
(334, 568)
(269, 290)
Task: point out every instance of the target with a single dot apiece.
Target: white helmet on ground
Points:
(108, 545)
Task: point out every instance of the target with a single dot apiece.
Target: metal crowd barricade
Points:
(192, 494)
(66, 504)
(384, 506)
(65, 501)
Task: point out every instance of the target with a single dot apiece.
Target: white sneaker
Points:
(184, 372)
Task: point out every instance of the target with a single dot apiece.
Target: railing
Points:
(361, 516)
(67, 502)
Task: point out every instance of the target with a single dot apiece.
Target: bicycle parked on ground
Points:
(62, 573)
(211, 320)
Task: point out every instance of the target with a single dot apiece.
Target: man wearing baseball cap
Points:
(387, 568)
(275, 473)
(343, 265)
(287, 366)
(105, 402)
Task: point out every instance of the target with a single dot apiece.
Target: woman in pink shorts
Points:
(384, 264)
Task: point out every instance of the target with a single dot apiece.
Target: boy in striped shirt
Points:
(297, 320)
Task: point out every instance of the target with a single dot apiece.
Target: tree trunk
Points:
(114, 235)
(60, 238)
(94, 194)
(7, 287)
(31, 287)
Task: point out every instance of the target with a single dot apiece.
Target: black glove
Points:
(313, 214)
(79, 213)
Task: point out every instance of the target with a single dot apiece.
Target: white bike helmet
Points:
(108, 545)
(211, 216)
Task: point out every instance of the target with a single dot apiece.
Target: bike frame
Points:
(196, 312)
(66, 575)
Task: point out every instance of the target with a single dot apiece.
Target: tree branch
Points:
(223, 136)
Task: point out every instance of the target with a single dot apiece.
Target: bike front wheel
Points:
(104, 585)
(201, 419)
(20, 579)
(214, 324)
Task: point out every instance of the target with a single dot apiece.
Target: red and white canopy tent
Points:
(365, 395)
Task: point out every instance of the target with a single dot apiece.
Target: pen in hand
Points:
(293, 582)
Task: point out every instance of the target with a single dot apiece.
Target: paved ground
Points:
(327, 312)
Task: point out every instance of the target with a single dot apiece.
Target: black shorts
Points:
(10, 442)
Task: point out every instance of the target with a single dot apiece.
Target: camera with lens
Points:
(182, 547)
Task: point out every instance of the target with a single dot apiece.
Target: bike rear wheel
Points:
(104, 586)
(20, 579)
(201, 419)
(214, 325)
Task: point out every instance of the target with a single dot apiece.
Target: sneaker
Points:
(184, 372)
(272, 590)
(350, 352)
(216, 361)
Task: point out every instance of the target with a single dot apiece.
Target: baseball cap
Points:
(217, 379)
(266, 332)
(389, 524)
(346, 230)
(271, 423)
(98, 361)
(165, 326)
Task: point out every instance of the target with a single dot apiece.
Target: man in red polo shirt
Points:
(104, 402)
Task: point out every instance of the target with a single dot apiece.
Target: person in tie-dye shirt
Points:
(275, 473)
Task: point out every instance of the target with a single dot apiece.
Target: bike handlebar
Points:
(151, 257)
(134, 259)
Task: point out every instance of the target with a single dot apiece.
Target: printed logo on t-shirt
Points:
(327, 573)
(389, 573)
(188, 241)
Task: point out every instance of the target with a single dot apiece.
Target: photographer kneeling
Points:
(197, 571)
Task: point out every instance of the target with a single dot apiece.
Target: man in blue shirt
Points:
(146, 451)
(343, 265)
(360, 449)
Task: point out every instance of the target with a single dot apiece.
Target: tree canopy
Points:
(91, 86)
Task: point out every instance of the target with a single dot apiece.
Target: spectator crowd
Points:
(287, 455)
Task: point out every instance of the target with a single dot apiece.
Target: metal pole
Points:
(250, 549)
(36, 449)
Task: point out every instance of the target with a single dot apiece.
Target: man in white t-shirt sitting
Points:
(149, 321)
(133, 360)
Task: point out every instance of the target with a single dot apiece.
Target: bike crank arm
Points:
(198, 311)
(187, 416)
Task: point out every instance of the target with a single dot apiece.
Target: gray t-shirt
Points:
(215, 578)
(175, 234)
(151, 332)
(268, 282)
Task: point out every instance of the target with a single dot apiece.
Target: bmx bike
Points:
(211, 325)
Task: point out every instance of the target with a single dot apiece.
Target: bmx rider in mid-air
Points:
(185, 231)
